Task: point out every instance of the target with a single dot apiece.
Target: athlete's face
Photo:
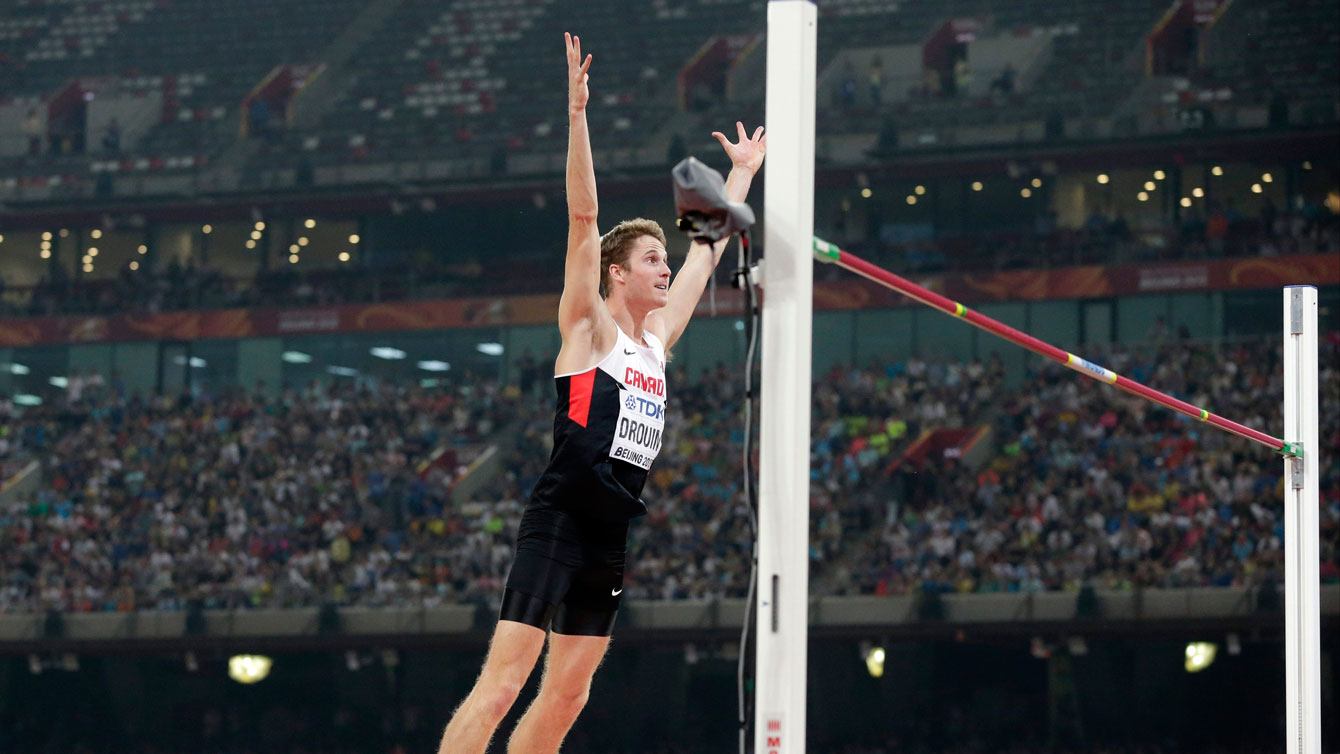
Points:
(647, 274)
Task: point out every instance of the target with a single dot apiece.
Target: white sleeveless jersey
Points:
(608, 426)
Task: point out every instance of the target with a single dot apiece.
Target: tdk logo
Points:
(645, 407)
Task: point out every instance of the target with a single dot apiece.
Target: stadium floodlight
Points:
(388, 353)
(1199, 655)
(311, 223)
(58, 381)
(27, 399)
(874, 662)
(490, 349)
(1103, 178)
(342, 371)
(249, 669)
(95, 233)
(432, 365)
(296, 357)
(17, 368)
(1217, 170)
(1159, 175)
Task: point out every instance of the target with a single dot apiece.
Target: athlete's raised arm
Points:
(580, 304)
(746, 158)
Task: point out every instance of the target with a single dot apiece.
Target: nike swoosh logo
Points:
(614, 593)
(627, 352)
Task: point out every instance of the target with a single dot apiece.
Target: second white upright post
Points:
(1302, 556)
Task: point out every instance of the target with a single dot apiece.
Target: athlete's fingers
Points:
(740, 127)
(586, 65)
(758, 132)
(721, 138)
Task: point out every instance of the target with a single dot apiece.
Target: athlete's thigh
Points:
(572, 661)
(513, 650)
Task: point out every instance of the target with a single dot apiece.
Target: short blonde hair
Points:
(617, 244)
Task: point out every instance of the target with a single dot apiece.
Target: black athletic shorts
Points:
(568, 570)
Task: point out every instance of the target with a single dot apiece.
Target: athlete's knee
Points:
(568, 698)
(497, 695)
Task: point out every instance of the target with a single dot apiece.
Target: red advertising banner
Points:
(1014, 285)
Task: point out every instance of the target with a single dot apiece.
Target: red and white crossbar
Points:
(827, 252)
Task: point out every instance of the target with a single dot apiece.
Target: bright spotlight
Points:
(1186, 201)
(344, 256)
(490, 349)
(1267, 177)
(1198, 192)
(260, 225)
(1199, 656)
(1037, 183)
(386, 352)
(1159, 175)
(354, 238)
(1142, 196)
(865, 192)
(98, 233)
(1217, 170)
(302, 241)
(911, 199)
(311, 223)
(207, 229)
(874, 662)
(1256, 188)
(1149, 186)
(976, 185)
(249, 669)
(920, 190)
(1026, 192)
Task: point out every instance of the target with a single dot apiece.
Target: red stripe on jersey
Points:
(579, 396)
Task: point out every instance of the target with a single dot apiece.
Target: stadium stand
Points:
(236, 501)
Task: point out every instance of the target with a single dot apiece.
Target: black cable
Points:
(744, 279)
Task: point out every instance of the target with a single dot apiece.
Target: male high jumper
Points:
(619, 314)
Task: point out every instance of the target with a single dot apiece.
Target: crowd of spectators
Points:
(329, 492)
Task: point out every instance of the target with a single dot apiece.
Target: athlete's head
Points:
(633, 254)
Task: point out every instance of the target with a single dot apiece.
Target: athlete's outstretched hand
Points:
(748, 153)
(577, 78)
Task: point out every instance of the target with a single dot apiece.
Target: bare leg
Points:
(568, 669)
(512, 654)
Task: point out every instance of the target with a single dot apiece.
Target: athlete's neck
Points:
(628, 320)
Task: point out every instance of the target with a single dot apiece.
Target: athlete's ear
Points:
(616, 272)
